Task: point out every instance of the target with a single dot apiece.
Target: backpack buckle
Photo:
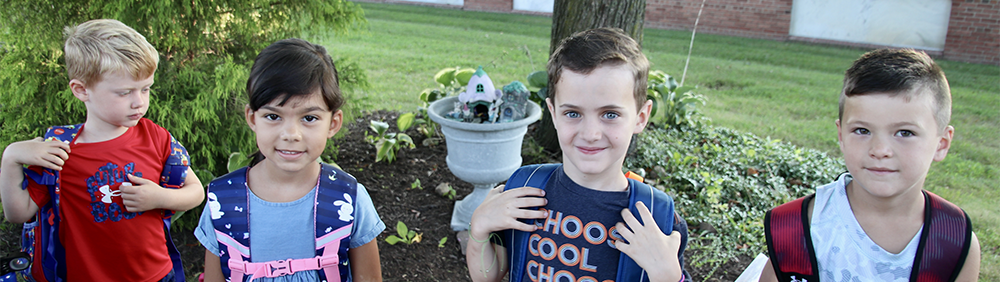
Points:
(279, 268)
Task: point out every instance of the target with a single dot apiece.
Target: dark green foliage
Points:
(726, 180)
(206, 48)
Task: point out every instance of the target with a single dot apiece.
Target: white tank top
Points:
(843, 251)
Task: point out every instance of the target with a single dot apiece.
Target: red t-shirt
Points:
(103, 241)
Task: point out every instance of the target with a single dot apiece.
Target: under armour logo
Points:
(106, 192)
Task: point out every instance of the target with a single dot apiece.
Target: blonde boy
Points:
(598, 103)
(866, 226)
(111, 203)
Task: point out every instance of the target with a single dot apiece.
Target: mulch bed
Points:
(421, 210)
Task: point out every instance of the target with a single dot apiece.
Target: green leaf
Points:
(463, 76)
(405, 140)
(446, 76)
(405, 121)
(401, 229)
(671, 83)
(379, 127)
(538, 79)
(392, 239)
(236, 161)
(442, 241)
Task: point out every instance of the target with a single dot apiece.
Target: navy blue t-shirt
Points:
(576, 242)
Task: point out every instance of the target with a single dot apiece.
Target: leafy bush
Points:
(726, 180)
(673, 106)
(206, 49)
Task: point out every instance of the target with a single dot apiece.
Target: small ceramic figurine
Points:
(514, 102)
(483, 103)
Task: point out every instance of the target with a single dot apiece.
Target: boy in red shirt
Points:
(111, 203)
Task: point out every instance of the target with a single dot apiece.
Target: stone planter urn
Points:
(480, 153)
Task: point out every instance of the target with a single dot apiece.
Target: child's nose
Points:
(139, 100)
(880, 148)
(291, 132)
(591, 130)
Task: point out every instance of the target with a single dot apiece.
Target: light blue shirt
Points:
(288, 231)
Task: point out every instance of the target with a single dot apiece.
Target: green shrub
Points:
(726, 180)
(206, 49)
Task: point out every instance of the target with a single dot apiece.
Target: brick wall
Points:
(974, 31)
(489, 5)
(973, 28)
(748, 18)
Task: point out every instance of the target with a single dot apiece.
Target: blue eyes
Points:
(606, 115)
(901, 133)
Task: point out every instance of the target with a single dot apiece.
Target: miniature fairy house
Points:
(479, 96)
(514, 101)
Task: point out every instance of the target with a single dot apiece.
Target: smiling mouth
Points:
(289, 153)
(880, 170)
(136, 116)
(589, 150)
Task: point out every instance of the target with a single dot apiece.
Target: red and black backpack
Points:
(944, 241)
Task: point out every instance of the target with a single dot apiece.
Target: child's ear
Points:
(79, 90)
(944, 144)
(643, 117)
(337, 120)
(840, 136)
(248, 113)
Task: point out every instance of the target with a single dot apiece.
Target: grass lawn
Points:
(785, 90)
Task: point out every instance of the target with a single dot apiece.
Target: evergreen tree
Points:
(206, 48)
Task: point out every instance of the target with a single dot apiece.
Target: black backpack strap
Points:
(789, 244)
(944, 241)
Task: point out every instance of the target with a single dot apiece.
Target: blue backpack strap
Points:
(232, 224)
(173, 176)
(661, 207)
(944, 241)
(537, 176)
(40, 238)
(334, 219)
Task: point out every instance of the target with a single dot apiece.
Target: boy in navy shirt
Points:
(583, 225)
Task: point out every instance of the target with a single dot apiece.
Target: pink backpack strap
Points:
(330, 244)
(236, 252)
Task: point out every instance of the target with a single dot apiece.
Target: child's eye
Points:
(861, 131)
(125, 93)
(611, 115)
(145, 90)
(572, 114)
(905, 133)
(271, 117)
(310, 118)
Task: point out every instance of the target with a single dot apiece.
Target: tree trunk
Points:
(572, 16)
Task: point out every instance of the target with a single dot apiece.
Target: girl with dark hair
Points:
(310, 221)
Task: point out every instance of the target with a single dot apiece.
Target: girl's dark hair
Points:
(291, 68)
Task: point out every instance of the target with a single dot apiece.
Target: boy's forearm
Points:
(477, 254)
(190, 195)
(17, 204)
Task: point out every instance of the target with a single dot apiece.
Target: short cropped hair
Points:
(896, 72)
(98, 47)
(587, 50)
